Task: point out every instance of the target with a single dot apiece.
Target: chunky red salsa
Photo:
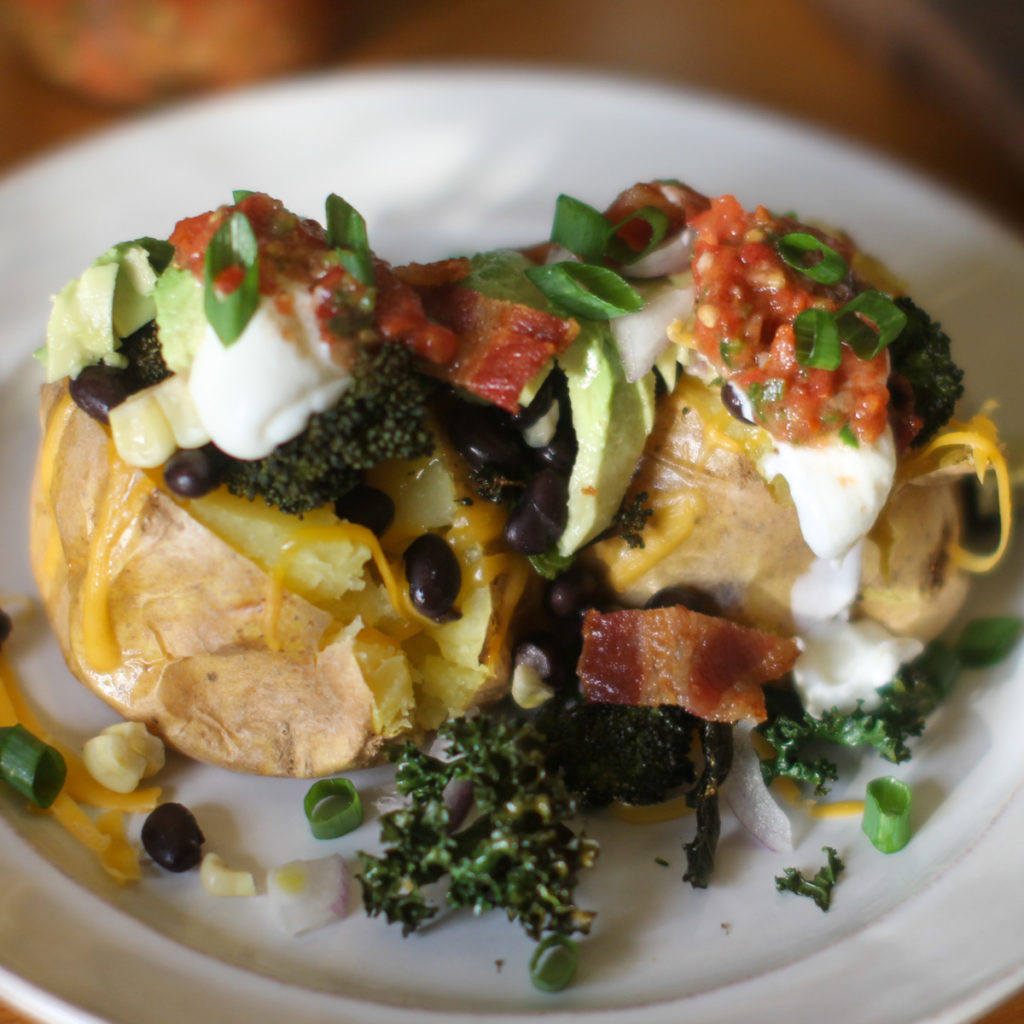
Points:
(747, 300)
(294, 252)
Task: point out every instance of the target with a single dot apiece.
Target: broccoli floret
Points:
(516, 852)
(382, 415)
(145, 357)
(616, 752)
(921, 355)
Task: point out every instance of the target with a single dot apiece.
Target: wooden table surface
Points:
(787, 55)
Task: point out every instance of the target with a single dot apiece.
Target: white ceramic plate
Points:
(445, 161)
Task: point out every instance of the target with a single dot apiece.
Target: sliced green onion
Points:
(554, 963)
(582, 288)
(847, 436)
(817, 340)
(796, 247)
(31, 766)
(333, 808)
(233, 245)
(887, 814)
(619, 251)
(987, 641)
(239, 194)
(867, 339)
(580, 228)
(346, 232)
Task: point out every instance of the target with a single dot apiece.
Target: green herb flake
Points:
(819, 888)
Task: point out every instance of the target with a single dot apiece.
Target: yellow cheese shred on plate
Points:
(980, 437)
(105, 836)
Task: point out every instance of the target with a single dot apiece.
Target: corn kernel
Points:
(220, 880)
(142, 434)
(112, 762)
(143, 742)
(175, 400)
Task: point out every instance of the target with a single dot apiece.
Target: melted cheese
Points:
(126, 492)
(675, 516)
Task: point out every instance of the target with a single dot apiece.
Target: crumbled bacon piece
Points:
(501, 344)
(678, 202)
(712, 667)
(400, 317)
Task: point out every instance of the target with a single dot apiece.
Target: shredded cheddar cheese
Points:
(104, 836)
(980, 438)
(647, 814)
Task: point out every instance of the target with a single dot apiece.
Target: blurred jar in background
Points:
(137, 51)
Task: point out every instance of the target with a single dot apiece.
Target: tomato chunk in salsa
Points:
(747, 300)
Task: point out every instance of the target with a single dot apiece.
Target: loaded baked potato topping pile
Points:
(293, 502)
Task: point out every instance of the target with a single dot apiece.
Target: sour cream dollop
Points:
(260, 391)
(838, 490)
(843, 662)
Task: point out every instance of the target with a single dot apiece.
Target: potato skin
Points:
(187, 613)
(743, 547)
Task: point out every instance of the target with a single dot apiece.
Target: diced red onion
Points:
(642, 336)
(458, 798)
(310, 894)
(672, 256)
(750, 799)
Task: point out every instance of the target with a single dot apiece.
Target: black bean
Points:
(560, 452)
(572, 592)
(539, 516)
(732, 400)
(367, 506)
(694, 598)
(545, 655)
(191, 472)
(172, 837)
(434, 575)
(97, 389)
(485, 437)
(542, 401)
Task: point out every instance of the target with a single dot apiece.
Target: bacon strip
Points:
(712, 667)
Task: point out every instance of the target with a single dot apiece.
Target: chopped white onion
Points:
(643, 336)
(309, 894)
(672, 255)
(750, 799)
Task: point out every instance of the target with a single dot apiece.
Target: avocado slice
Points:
(612, 418)
(180, 317)
(110, 300)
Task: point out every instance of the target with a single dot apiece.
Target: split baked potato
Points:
(250, 639)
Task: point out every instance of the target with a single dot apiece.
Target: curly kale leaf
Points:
(819, 888)
(716, 744)
(921, 356)
(919, 687)
(516, 853)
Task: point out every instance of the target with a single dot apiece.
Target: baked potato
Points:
(182, 613)
(719, 527)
